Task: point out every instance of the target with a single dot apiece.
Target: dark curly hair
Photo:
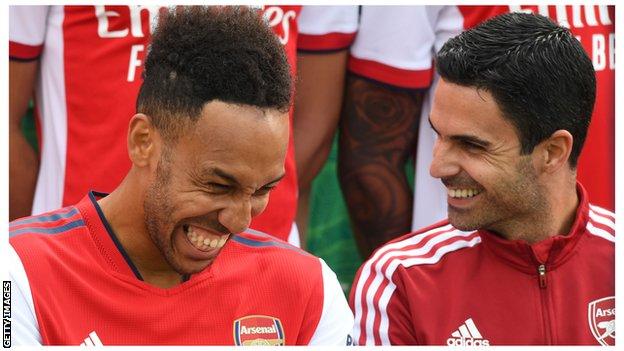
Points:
(537, 72)
(203, 53)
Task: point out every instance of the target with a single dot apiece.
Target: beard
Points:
(508, 201)
(157, 210)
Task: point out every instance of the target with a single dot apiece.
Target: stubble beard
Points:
(507, 207)
(157, 209)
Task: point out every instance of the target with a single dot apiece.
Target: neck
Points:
(555, 216)
(123, 209)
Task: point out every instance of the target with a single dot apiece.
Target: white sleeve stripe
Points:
(600, 232)
(602, 211)
(52, 108)
(336, 320)
(389, 290)
(366, 271)
(24, 320)
(601, 219)
(383, 277)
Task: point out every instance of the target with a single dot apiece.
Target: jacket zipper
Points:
(541, 272)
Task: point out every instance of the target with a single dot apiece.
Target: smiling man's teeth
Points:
(462, 193)
(203, 239)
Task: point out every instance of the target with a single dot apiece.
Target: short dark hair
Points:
(538, 73)
(203, 53)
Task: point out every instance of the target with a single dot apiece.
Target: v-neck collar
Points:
(109, 245)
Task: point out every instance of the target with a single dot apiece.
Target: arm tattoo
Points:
(378, 132)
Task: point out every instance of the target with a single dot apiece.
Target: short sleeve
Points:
(326, 28)
(336, 320)
(27, 30)
(395, 45)
(25, 329)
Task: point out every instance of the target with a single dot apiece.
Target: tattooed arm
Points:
(378, 132)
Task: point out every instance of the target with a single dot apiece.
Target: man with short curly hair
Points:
(167, 258)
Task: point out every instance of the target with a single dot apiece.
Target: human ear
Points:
(141, 140)
(555, 151)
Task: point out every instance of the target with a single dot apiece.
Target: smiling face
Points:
(477, 156)
(213, 180)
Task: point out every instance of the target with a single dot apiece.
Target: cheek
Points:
(258, 205)
(488, 173)
(193, 204)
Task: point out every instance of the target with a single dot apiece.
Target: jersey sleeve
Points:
(381, 308)
(25, 329)
(27, 30)
(336, 319)
(326, 28)
(395, 45)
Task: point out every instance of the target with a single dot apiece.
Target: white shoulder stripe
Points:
(389, 290)
(374, 269)
(366, 269)
(601, 219)
(602, 211)
(600, 232)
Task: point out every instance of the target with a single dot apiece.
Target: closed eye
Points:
(471, 145)
(218, 187)
(264, 190)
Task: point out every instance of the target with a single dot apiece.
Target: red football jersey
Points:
(91, 64)
(74, 284)
(442, 286)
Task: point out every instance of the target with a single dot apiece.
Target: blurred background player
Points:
(389, 70)
(83, 64)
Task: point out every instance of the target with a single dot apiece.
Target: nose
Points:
(237, 215)
(444, 163)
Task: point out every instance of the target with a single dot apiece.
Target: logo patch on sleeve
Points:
(258, 330)
(601, 316)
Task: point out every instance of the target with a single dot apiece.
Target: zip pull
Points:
(541, 270)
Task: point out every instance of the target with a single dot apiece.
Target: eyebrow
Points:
(464, 137)
(231, 179)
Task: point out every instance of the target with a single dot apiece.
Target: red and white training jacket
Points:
(442, 286)
(91, 61)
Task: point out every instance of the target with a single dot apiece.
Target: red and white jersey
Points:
(91, 64)
(74, 284)
(442, 286)
(395, 45)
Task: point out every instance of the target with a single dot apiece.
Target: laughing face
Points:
(490, 184)
(212, 181)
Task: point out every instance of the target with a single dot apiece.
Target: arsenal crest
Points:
(258, 330)
(601, 316)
